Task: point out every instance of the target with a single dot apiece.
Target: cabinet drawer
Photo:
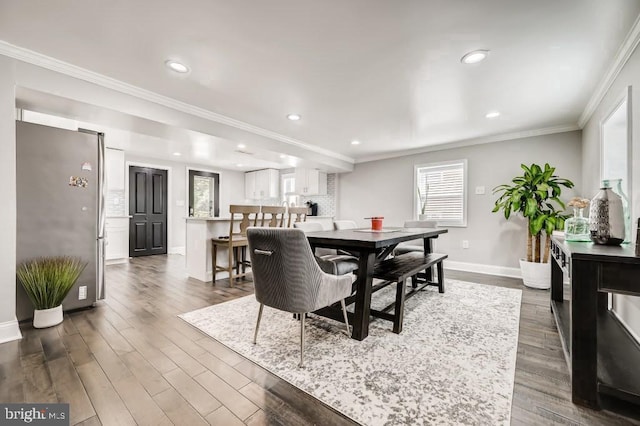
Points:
(619, 277)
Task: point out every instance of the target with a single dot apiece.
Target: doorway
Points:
(148, 211)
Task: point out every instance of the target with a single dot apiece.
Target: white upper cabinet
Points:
(114, 169)
(262, 184)
(310, 182)
(250, 186)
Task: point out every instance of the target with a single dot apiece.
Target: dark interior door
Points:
(148, 211)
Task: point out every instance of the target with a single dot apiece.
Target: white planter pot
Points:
(43, 318)
(536, 275)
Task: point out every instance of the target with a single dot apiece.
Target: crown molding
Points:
(469, 142)
(53, 64)
(624, 53)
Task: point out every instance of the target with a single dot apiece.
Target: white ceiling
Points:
(384, 72)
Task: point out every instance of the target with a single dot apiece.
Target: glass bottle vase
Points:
(616, 186)
(576, 228)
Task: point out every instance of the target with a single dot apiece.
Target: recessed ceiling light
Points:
(177, 154)
(283, 156)
(355, 142)
(177, 66)
(241, 146)
(294, 117)
(474, 57)
(493, 114)
(239, 165)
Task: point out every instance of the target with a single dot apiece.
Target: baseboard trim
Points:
(9, 331)
(116, 261)
(177, 250)
(479, 268)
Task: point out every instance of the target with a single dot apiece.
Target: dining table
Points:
(370, 247)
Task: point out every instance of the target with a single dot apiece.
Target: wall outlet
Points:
(479, 190)
(465, 244)
(82, 292)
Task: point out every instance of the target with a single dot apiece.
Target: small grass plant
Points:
(48, 280)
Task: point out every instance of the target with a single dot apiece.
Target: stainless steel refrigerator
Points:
(60, 205)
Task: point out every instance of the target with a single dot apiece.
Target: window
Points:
(288, 187)
(441, 190)
(204, 194)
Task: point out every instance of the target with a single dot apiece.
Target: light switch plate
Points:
(479, 190)
(180, 203)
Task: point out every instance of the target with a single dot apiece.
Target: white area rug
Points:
(453, 363)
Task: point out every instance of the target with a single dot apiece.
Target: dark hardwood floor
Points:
(130, 360)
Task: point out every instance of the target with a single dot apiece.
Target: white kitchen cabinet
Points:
(262, 184)
(117, 238)
(114, 169)
(310, 182)
(250, 186)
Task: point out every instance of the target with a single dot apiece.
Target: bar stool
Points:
(276, 216)
(236, 242)
(299, 213)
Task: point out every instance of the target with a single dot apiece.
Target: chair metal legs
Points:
(346, 319)
(255, 335)
(302, 318)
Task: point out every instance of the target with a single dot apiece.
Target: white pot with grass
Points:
(47, 281)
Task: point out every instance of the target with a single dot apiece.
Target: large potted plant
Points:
(47, 281)
(536, 195)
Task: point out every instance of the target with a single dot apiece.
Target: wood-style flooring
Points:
(130, 360)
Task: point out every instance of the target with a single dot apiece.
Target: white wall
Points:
(231, 192)
(8, 324)
(385, 188)
(628, 307)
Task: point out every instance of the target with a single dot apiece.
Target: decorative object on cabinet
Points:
(576, 228)
(535, 194)
(606, 218)
(638, 239)
(617, 187)
(47, 281)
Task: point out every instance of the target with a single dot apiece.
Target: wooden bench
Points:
(398, 270)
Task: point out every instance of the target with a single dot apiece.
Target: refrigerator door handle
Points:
(100, 284)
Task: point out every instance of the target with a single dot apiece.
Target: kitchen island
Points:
(200, 230)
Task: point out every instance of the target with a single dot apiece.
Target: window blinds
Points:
(443, 186)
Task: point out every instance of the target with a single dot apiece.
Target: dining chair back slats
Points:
(273, 216)
(297, 214)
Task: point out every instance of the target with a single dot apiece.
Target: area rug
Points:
(453, 363)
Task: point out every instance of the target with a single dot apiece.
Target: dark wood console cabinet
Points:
(603, 358)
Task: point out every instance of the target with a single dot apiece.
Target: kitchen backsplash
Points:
(115, 203)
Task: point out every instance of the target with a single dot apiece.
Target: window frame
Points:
(288, 198)
(216, 183)
(465, 191)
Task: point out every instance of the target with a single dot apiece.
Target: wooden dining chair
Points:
(236, 243)
(297, 214)
(273, 216)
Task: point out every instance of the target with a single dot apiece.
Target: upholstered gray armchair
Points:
(331, 261)
(286, 276)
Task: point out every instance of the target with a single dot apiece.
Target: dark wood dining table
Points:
(370, 248)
